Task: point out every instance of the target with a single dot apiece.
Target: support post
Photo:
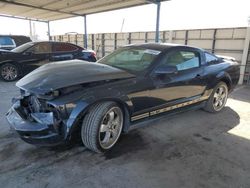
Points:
(115, 42)
(48, 30)
(186, 37)
(76, 41)
(103, 45)
(146, 37)
(129, 38)
(214, 40)
(93, 41)
(157, 31)
(245, 55)
(30, 29)
(164, 36)
(85, 33)
(170, 37)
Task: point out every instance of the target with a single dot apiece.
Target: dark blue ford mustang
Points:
(130, 86)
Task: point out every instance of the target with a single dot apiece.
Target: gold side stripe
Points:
(158, 111)
(140, 116)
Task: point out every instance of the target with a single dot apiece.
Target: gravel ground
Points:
(192, 149)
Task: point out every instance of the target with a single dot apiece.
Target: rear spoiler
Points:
(227, 58)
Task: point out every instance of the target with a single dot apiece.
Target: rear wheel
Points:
(102, 126)
(9, 72)
(218, 98)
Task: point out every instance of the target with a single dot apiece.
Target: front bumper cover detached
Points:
(40, 132)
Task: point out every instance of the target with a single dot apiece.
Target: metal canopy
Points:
(50, 10)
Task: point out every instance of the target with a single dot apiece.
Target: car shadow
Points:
(241, 94)
(136, 140)
(167, 145)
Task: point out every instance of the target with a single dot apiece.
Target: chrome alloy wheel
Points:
(9, 72)
(111, 127)
(220, 97)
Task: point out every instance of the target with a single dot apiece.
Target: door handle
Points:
(198, 76)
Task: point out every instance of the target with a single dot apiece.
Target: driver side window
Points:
(183, 60)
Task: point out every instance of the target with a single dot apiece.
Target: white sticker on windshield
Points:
(153, 52)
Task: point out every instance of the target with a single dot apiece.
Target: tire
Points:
(102, 126)
(217, 99)
(9, 72)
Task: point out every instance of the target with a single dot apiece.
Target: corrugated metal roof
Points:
(49, 10)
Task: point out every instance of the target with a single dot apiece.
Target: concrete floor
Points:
(192, 149)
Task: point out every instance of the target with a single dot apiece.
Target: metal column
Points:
(31, 36)
(157, 31)
(49, 31)
(85, 32)
(245, 55)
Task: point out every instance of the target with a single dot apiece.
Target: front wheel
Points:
(9, 72)
(218, 98)
(102, 126)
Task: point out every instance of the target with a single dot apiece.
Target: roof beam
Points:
(22, 18)
(153, 1)
(37, 7)
(44, 11)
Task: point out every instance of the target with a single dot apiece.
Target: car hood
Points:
(62, 74)
(2, 52)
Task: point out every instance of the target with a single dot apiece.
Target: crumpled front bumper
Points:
(42, 133)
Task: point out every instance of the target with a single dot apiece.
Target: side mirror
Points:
(166, 69)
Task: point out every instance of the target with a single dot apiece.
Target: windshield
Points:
(131, 59)
(23, 47)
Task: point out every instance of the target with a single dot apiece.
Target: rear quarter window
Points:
(210, 58)
(61, 47)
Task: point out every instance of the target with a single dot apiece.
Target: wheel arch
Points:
(123, 106)
(225, 77)
(9, 61)
(82, 108)
(12, 62)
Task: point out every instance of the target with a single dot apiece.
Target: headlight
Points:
(55, 93)
(65, 109)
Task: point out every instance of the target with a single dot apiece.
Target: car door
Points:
(36, 56)
(179, 86)
(63, 51)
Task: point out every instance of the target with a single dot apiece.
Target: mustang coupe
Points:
(99, 101)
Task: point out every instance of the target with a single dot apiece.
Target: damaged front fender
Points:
(74, 117)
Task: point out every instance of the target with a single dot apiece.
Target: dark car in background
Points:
(132, 85)
(29, 56)
(9, 42)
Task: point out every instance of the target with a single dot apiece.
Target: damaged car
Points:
(133, 85)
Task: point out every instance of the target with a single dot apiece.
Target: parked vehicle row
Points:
(9, 42)
(29, 56)
(130, 86)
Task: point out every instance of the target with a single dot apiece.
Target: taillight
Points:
(93, 54)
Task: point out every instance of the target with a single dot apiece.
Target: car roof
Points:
(43, 41)
(14, 36)
(161, 46)
(54, 43)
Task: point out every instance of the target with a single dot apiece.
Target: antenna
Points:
(122, 24)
